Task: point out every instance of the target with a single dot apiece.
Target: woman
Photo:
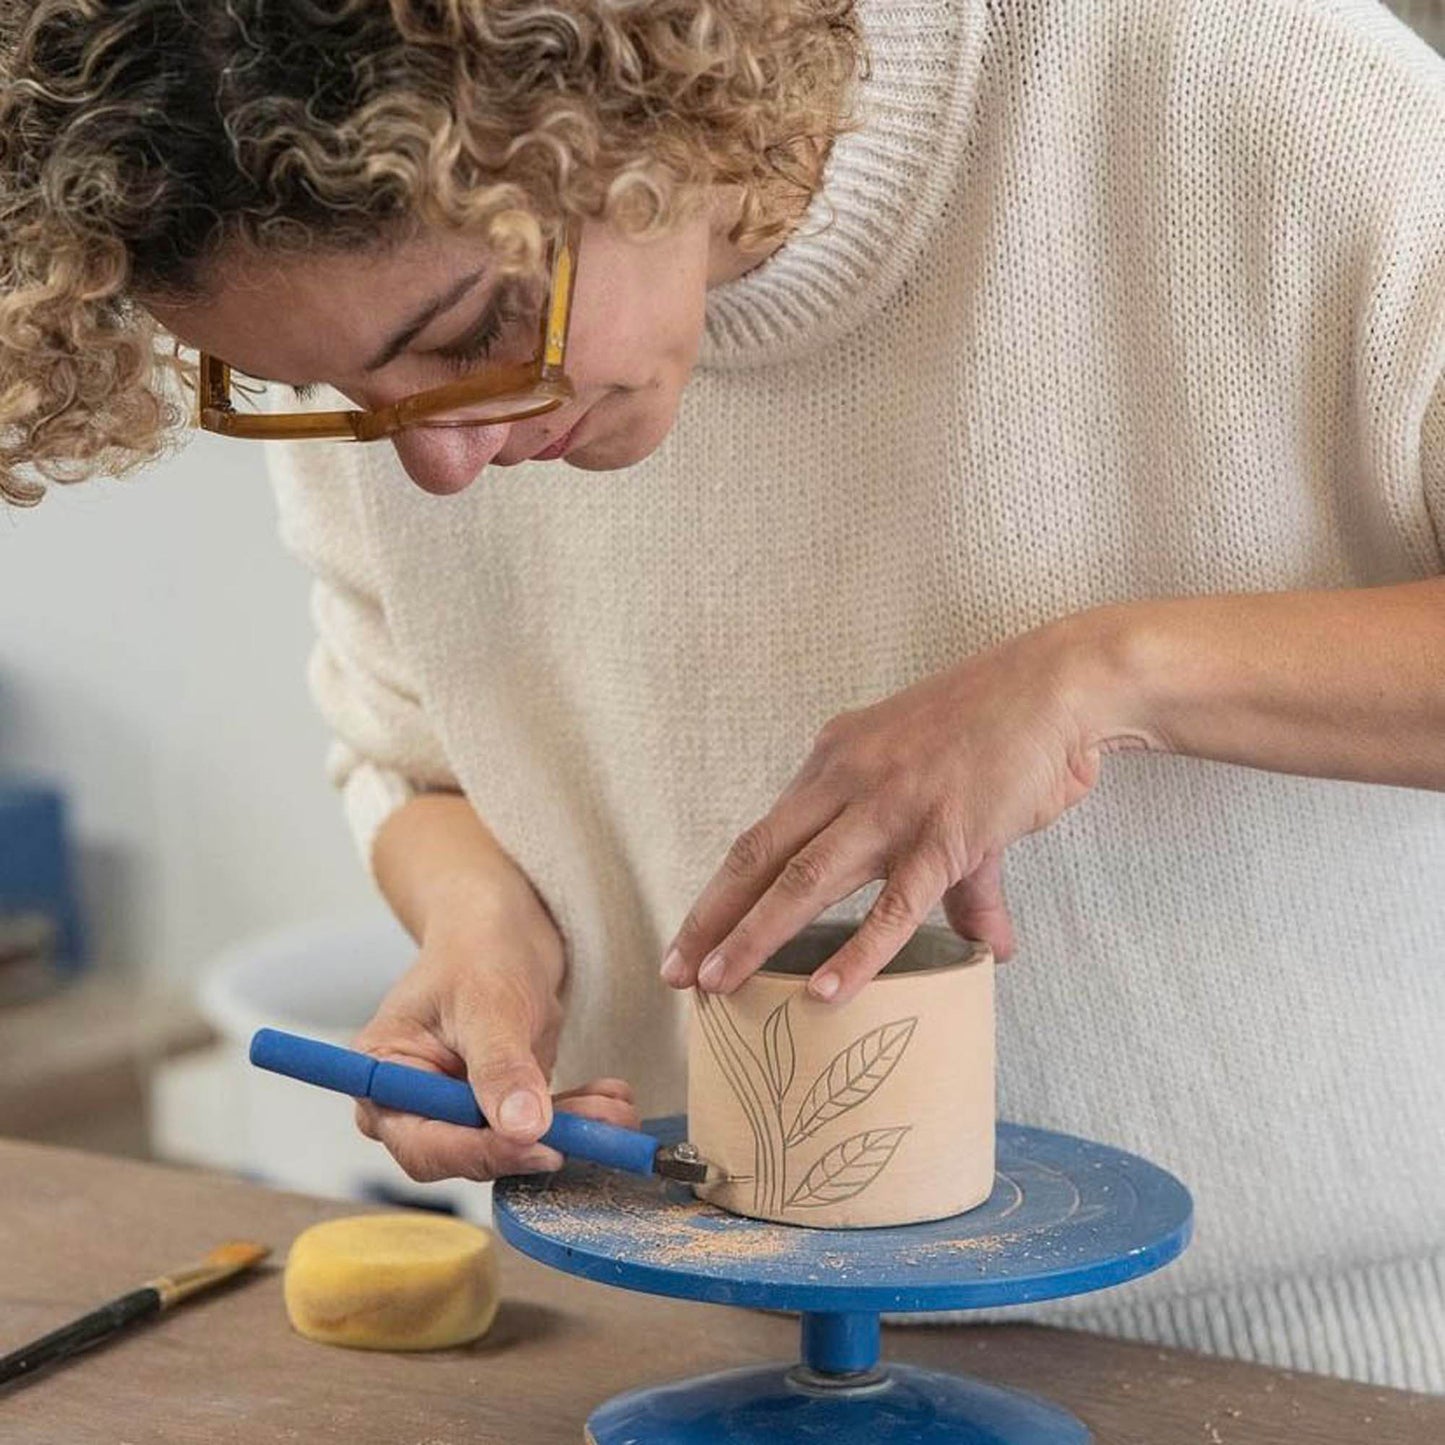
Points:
(1059, 381)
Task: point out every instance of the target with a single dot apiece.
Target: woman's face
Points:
(349, 321)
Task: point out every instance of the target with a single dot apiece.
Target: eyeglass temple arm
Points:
(213, 391)
(557, 322)
(215, 412)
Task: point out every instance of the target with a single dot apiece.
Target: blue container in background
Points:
(37, 875)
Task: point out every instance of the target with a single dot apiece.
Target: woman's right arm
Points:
(481, 1001)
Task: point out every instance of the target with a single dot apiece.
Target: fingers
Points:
(608, 1100)
(976, 908)
(428, 1149)
(602, 1088)
(754, 861)
(902, 904)
(837, 862)
(496, 1022)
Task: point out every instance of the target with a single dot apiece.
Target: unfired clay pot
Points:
(878, 1111)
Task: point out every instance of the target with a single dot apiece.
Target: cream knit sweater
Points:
(1121, 298)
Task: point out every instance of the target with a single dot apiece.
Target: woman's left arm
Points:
(1342, 684)
(926, 788)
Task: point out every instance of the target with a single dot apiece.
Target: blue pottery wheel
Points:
(1066, 1216)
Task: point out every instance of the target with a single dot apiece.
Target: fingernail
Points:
(542, 1160)
(823, 985)
(519, 1111)
(712, 970)
(673, 969)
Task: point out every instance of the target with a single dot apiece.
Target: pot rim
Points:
(975, 952)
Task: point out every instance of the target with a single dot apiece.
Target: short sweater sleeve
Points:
(384, 749)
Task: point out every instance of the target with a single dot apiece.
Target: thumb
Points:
(976, 908)
(494, 1038)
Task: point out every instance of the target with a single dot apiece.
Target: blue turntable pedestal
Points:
(1066, 1216)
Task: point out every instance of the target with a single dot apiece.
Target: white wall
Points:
(152, 656)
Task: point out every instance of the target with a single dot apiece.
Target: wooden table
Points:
(77, 1228)
(75, 1066)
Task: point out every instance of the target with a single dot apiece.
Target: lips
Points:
(558, 448)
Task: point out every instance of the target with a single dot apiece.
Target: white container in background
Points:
(323, 979)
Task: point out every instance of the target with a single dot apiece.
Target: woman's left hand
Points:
(924, 790)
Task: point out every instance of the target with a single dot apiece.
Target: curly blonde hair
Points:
(138, 138)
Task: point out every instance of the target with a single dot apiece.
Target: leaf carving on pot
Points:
(847, 1168)
(851, 1076)
(778, 1050)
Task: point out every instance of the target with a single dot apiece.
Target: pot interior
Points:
(929, 949)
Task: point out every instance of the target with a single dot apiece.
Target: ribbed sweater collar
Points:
(883, 188)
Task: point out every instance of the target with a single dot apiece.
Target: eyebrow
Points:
(409, 330)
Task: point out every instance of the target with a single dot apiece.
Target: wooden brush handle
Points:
(80, 1334)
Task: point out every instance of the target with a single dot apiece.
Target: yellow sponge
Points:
(392, 1282)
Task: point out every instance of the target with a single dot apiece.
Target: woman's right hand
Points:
(481, 1003)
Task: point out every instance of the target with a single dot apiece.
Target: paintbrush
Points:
(119, 1314)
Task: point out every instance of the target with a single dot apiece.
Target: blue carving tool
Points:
(437, 1096)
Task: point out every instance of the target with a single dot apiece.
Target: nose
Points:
(445, 460)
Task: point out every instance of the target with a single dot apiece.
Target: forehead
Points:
(294, 317)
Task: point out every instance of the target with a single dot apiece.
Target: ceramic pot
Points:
(878, 1111)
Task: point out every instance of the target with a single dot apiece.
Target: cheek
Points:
(626, 429)
(613, 358)
(638, 334)
(636, 329)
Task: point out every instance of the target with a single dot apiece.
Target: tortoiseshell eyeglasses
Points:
(499, 391)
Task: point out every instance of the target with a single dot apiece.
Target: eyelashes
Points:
(510, 307)
(507, 307)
